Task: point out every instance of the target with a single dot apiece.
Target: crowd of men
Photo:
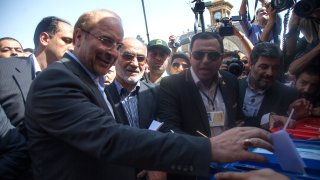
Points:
(81, 104)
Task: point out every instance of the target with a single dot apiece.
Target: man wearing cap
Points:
(158, 53)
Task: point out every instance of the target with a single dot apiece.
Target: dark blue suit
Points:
(277, 99)
(181, 106)
(72, 134)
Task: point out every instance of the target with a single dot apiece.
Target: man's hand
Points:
(276, 121)
(232, 145)
(302, 108)
(263, 174)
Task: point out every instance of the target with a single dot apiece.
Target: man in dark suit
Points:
(202, 99)
(188, 101)
(52, 38)
(133, 100)
(14, 160)
(260, 93)
(72, 132)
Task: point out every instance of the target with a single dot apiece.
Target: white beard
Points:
(128, 79)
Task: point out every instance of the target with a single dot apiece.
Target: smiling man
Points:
(202, 98)
(133, 99)
(261, 93)
(70, 122)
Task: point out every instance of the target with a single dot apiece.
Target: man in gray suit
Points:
(52, 38)
(73, 134)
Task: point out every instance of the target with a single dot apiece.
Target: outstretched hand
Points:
(232, 145)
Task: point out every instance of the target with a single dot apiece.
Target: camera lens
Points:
(235, 67)
(305, 8)
(176, 44)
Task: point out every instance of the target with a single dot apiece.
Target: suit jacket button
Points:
(179, 167)
(191, 168)
(173, 167)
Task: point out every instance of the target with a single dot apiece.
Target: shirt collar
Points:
(99, 80)
(252, 89)
(35, 63)
(119, 86)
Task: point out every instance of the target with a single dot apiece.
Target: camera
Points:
(280, 5)
(235, 66)
(227, 29)
(179, 42)
(305, 8)
(199, 6)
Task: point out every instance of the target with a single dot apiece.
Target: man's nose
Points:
(70, 47)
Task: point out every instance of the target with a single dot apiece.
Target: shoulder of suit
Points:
(15, 60)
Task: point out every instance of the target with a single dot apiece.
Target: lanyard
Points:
(209, 99)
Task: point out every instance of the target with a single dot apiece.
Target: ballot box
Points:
(308, 150)
(308, 128)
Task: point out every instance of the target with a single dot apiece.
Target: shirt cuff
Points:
(265, 119)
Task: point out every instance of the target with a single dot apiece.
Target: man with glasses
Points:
(201, 100)
(71, 125)
(179, 62)
(133, 100)
(158, 53)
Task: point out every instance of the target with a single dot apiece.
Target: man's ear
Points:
(44, 38)
(77, 37)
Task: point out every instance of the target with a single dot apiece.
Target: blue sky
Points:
(165, 17)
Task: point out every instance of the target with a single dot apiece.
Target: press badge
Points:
(216, 118)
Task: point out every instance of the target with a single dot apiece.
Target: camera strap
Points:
(255, 7)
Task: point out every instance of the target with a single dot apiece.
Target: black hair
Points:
(182, 56)
(265, 49)
(49, 25)
(206, 36)
(10, 38)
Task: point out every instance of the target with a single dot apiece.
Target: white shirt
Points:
(218, 102)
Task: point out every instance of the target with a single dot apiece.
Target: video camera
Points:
(227, 29)
(235, 66)
(303, 8)
(179, 42)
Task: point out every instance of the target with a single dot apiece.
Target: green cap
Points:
(158, 43)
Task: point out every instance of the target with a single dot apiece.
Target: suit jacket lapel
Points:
(144, 99)
(225, 92)
(194, 93)
(79, 71)
(23, 77)
(268, 100)
(114, 98)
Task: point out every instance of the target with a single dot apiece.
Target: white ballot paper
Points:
(155, 125)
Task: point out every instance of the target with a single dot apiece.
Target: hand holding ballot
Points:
(232, 145)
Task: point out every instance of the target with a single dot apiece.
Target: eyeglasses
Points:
(107, 41)
(129, 57)
(177, 65)
(211, 55)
